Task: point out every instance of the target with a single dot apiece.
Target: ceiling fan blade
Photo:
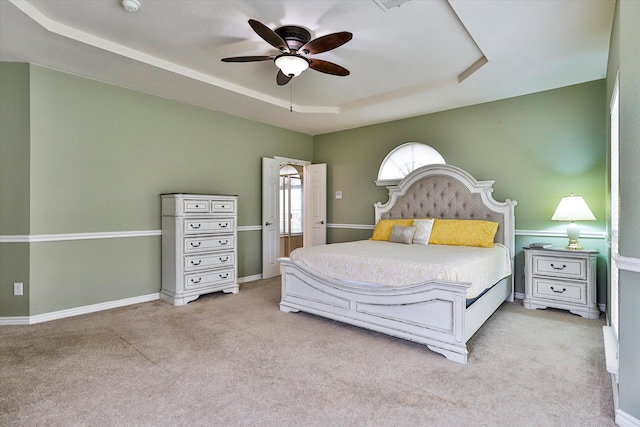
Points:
(282, 79)
(325, 43)
(269, 35)
(247, 58)
(328, 67)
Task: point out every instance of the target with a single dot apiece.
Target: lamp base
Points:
(573, 244)
(573, 232)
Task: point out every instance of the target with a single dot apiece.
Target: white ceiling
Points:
(404, 62)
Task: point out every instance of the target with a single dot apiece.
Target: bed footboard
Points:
(431, 313)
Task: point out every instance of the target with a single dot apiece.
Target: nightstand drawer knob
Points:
(559, 268)
(558, 292)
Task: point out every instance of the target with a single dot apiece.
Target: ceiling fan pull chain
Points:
(291, 98)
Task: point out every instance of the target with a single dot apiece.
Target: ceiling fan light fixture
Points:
(291, 65)
(130, 5)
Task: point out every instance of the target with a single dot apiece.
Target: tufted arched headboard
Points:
(445, 191)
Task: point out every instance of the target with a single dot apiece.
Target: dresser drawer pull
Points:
(223, 206)
(224, 276)
(195, 245)
(559, 268)
(224, 259)
(223, 225)
(223, 242)
(195, 227)
(196, 263)
(558, 292)
(194, 281)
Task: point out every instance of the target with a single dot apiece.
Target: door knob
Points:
(268, 223)
(321, 222)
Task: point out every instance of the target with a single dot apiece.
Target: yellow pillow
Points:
(384, 226)
(463, 232)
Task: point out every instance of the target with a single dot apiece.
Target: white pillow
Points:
(423, 231)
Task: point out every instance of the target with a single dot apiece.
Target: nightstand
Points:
(561, 278)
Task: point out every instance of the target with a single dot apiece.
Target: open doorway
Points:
(291, 208)
(305, 215)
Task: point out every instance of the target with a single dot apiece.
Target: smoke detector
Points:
(130, 5)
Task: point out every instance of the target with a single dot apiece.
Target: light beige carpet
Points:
(237, 360)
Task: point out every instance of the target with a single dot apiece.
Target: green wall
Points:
(536, 148)
(101, 155)
(14, 185)
(97, 158)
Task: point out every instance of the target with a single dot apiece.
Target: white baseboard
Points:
(246, 279)
(625, 420)
(76, 311)
(14, 320)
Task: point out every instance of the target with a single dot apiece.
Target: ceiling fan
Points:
(294, 44)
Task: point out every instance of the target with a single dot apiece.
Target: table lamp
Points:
(573, 208)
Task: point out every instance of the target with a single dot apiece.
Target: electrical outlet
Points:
(18, 289)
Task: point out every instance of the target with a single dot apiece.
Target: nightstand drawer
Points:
(559, 290)
(570, 268)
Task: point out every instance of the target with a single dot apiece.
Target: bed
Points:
(439, 311)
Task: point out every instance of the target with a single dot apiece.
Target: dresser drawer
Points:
(208, 261)
(559, 290)
(208, 278)
(195, 206)
(202, 226)
(223, 206)
(210, 243)
(570, 268)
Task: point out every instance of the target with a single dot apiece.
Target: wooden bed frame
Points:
(435, 312)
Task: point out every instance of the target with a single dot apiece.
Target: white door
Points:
(270, 217)
(315, 205)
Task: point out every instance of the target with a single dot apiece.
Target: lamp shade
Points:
(573, 208)
(291, 65)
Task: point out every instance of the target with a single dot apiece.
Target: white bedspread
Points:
(396, 264)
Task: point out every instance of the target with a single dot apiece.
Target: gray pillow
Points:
(402, 234)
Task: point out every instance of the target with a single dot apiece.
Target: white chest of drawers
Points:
(199, 246)
(561, 278)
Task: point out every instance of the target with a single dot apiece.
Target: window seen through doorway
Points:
(291, 204)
